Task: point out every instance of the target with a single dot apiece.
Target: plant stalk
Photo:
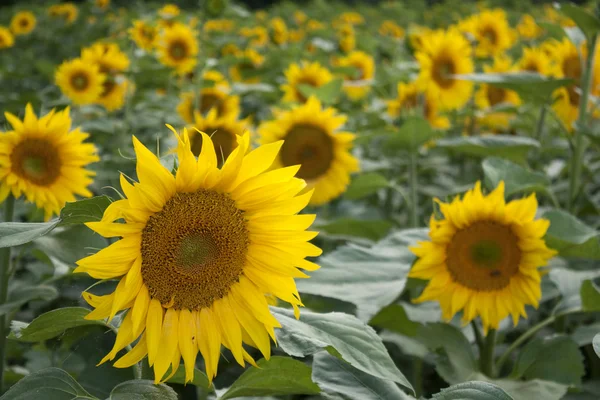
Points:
(9, 208)
(540, 123)
(412, 176)
(486, 358)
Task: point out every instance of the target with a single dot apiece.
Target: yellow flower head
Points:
(44, 160)
(314, 25)
(198, 252)
(22, 23)
(6, 38)
(411, 99)
(211, 97)
(484, 257)
(178, 48)
(350, 17)
(492, 32)
(219, 25)
(169, 11)
(528, 28)
(279, 31)
(306, 73)
(102, 4)
(230, 49)
(296, 35)
(358, 85)
(249, 61)
(313, 140)
(223, 131)
(300, 17)
(108, 56)
(391, 29)
(258, 35)
(115, 92)
(143, 34)
(535, 59)
(81, 81)
(66, 11)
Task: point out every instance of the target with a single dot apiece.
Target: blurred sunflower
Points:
(258, 35)
(169, 11)
(81, 81)
(314, 25)
(391, 29)
(178, 48)
(114, 93)
(102, 4)
(491, 30)
(22, 23)
(296, 35)
(219, 25)
(313, 74)
(534, 59)
(249, 61)
(197, 254)
(313, 141)
(443, 54)
(44, 160)
(66, 11)
(143, 34)
(213, 97)
(108, 56)
(349, 17)
(528, 28)
(230, 49)
(346, 38)
(6, 38)
(484, 257)
(410, 99)
(223, 131)
(357, 85)
(279, 31)
(300, 17)
(416, 36)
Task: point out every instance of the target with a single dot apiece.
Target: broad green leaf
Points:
(537, 360)
(588, 23)
(350, 227)
(86, 210)
(338, 379)
(571, 237)
(596, 344)
(343, 334)
(364, 185)
(516, 178)
(18, 233)
(529, 390)
(328, 93)
(22, 295)
(68, 244)
(474, 390)
(47, 384)
(52, 324)
(279, 376)
(369, 278)
(513, 148)
(590, 296)
(200, 379)
(395, 319)
(554, 31)
(141, 389)
(413, 133)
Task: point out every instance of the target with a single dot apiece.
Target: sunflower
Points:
(534, 59)
(358, 85)
(219, 25)
(102, 4)
(22, 23)
(346, 38)
(312, 140)
(6, 38)
(350, 17)
(492, 32)
(408, 100)
(44, 160)
(108, 56)
(216, 97)
(296, 35)
(249, 61)
(258, 35)
(528, 28)
(443, 54)
(391, 29)
(143, 34)
(197, 254)
(314, 25)
(223, 131)
(114, 94)
(178, 48)
(279, 31)
(81, 81)
(417, 35)
(306, 73)
(483, 257)
(67, 11)
(300, 17)
(169, 11)
(230, 49)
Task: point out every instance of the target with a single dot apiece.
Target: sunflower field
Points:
(361, 200)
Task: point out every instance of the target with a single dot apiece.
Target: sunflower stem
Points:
(9, 208)
(540, 123)
(578, 150)
(412, 176)
(486, 358)
(478, 336)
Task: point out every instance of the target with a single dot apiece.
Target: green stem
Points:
(486, 358)
(9, 208)
(478, 336)
(577, 156)
(418, 376)
(540, 123)
(414, 219)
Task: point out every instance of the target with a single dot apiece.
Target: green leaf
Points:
(474, 390)
(554, 31)
(52, 324)
(23, 295)
(590, 296)
(365, 184)
(570, 236)
(395, 319)
(142, 390)
(514, 148)
(537, 360)
(200, 379)
(336, 377)
(569, 283)
(87, 210)
(18, 233)
(328, 93)
(588, 23)
(516, 178)
(371, 278)
(279, 376)
(413, 133)
(354, 341)
(596, 344)
(350, 227)
(528, 390)
(47, 384)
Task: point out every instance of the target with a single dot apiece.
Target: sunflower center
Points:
(490, 34)
(178, 50)
(572, 67)
(194, 249)
(531, 66)
(80, 81)
(411, 101)
(24, 23)
(309, 146)
(495, 95)
(209, 101)
(36, 160)
(573, 96)
(484, 256)
(443, 69)
(108, 87)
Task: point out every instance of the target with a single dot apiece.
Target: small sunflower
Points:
(358, 85)
(258, 35)
(314, 25)
(528, 28)
(22, 23)
(313, 74)
(249, 61)
(6, 38)
(484, 257)
(279, 31)
(443, 54)
(66, 11)
(391, 29)
(108, 56)
(197, 255)
(219, 25)
(223, 131)
(410, 99)
(114, 93)
(169, 11)
(102, 4)
(300, 17)
(216, 97)
(313, 141)
(178, 48)
(492, 31)
(566, 105)
(534, 59)
(346, 38)
(80, 81)
(45, 160)
(349, 17)
(143, 34)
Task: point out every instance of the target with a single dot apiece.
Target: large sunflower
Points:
(492, 31)
(178, 48)
(410, 99)
(223, 131)
(216, 96)
(443, 54)
(143, 34)
(358, 85)
(6, 38)
(483, 257)
(22, 23)
(198, 252)
(44, 160)
(312, 140)
(313, 74)
(80, 81)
